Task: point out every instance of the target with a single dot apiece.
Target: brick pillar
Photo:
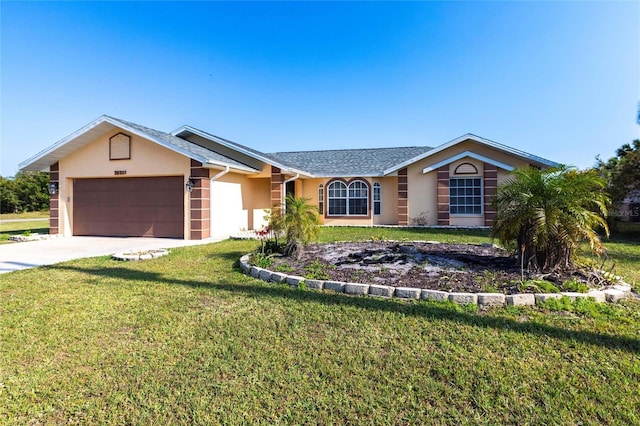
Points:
(54, 201)
(199, 203)
(403, 197)
(490, 190)
(443, 195)
(276, 186)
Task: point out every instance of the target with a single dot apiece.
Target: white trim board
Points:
(464, 155)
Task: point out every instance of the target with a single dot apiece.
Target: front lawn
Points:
(7, 229)
(189, 339)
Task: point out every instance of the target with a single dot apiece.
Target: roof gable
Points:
(464, 155)
(106, 124)
(479, 140)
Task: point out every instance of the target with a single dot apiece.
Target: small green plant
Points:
(27, 233)
(283, 268)
(575, 285)
(488, 281)
(262, 260)
(317, 271)
(539, 286)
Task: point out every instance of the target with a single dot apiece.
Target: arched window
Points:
(377, 198)
(321, 198)
(348, 200)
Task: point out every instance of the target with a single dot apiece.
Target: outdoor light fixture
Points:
(53, 188)
(190, 184)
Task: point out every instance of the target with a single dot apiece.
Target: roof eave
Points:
(237, 148)
(62, 142)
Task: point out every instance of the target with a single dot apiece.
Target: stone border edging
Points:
(485, 300)
(33, 237)
(141, 254)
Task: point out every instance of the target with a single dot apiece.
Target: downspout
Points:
(284, 187)
(219, 175)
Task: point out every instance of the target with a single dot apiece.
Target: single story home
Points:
(117, 178)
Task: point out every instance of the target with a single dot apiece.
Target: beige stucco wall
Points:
(238, 202)
(92, 161)
(422, 194)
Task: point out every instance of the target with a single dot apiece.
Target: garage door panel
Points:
(152, 207)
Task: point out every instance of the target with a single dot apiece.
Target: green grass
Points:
(345, 233)
(25, 215)
(18, 228)
(189, 339)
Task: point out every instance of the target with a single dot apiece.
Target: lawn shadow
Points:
(427, 310)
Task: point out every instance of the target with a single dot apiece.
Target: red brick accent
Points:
(54, 200)
(199, 202)
(403, 197)
(443, 195)
(276, 186)
(490, 189)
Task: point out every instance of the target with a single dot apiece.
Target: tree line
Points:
(26, 192)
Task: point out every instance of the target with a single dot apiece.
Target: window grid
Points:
(377, 199)
(321, 198)
(465, 196)
(351, 200)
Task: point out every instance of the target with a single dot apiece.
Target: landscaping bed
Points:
(469, 268)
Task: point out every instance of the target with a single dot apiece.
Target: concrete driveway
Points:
(15, 256)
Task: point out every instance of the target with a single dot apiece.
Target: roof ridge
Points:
(352, 149)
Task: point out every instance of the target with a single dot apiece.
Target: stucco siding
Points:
(423, 196)
(92, 161)
(389, 201)
(238, 203)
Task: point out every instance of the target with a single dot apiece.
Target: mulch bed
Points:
(437, 266)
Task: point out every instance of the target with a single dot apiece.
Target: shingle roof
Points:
(185, 145)
(348, 162)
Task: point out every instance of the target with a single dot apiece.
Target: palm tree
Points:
(546, 214)
(300, 223)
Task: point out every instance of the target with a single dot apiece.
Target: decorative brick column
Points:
(200, 202)
(443, 195)
(54, 200)
(490, 190)
(403, 197)
(276, 186)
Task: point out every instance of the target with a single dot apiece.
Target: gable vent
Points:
(466, 169)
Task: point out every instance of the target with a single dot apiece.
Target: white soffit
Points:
(471, 155)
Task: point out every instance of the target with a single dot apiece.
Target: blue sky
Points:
(557, 79)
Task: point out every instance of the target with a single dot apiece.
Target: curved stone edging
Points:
(612, 295)
(134, 254)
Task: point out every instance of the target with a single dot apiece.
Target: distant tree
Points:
(9, 202)
(25, 192)
(622, 172)
(299, 223)
(544, 215)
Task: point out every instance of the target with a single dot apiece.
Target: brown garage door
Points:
(129, 207)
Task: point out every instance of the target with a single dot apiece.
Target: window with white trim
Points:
(321, 198)
(377, 199)
(348, 200)
(465, 196)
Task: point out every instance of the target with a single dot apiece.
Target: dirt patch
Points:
(448, 267)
